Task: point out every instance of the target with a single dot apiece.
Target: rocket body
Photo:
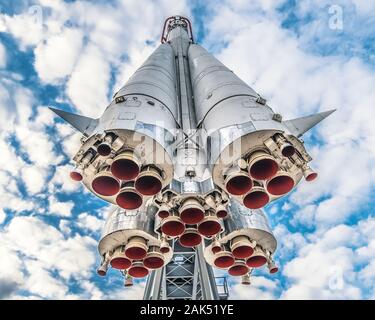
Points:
(187, 150)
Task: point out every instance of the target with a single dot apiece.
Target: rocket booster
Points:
(188, 144)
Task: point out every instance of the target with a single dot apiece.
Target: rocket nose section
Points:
(301, 125)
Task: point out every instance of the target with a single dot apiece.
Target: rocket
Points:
(187, 150)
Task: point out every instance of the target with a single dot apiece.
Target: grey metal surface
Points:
(187, 276)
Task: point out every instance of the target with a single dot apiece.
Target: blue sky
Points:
(74, 55)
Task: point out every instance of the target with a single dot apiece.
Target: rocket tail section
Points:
(83, 124)
(301, 125)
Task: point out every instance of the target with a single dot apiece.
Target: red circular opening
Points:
(256, 199)
(256, 262)
(222, 213)
(76, 176)
(153, 262)
(125, 169)
(312, 176)
(215, 249)
(105, 186)
(192, 215)
(274, 270)
(209, 228)
(224, 261)
(163, 214)
(238, 270)
(280, 185)
(129, 200)
(104, 149)
(101, 273)
(120, 263)
(190, 239)
(173, 228)
(264, 169)
(138, 272)
(243, 252)
(164, 249)
(135, 253)
(148, 185)
(239, 185)
(288, 151)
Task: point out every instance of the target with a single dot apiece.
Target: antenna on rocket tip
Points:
(173, 22)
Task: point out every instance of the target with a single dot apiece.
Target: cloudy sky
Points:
(303, 56)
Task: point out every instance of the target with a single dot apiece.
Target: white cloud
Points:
(63, 209)
(34, 179)
(3, 56)
(89, 222)
(55, 57)
(36, 240)
(88, 86)
(259, 289)
(2, 216)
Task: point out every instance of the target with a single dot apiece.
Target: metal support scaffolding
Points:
(187, 276)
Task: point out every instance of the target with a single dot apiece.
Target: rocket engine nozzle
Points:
(262, 166)
(103, 268)
(105, 184)
(256, 198)
(128, 281)
(257, 259)
(119, 260)
(154, 259)
(148, 182)
(280, 184)
(209, 226)
(164, 246)
(163, 211)
(309, 174)
(242, 247)
(76, 174)
(223, 259)
(238, 182)
(136, 248)
(272, 267)
(245, 280)
(104, 149)
(138, 270)
(287, 149)
(238, 269)
(221, 211)
(190, 238)
(129, 198)
(191, 211)
(172, 226)
(125, 166)
(216, 247)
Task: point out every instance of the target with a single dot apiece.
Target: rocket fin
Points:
(301, 125)
(81, 123)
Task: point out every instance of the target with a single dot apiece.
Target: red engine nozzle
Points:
(256, 198)
(136, 248)
(125, 166)
(129, 198)
(190, 238)
(149, 182)
(105, 184)
(280, 184)
(262, 166)
(138, 270)
(191, 211)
